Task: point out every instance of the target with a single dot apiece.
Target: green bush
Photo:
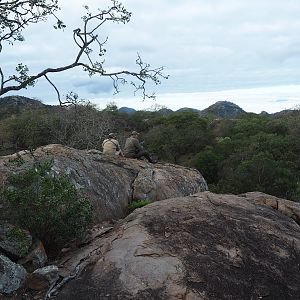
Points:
(137, 204)
(20, 238)
(207, 163)
(47, 205)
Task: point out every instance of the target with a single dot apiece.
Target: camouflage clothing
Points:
(132, 147)
(111, 146)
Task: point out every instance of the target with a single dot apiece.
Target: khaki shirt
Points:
(111, 146)
(132, 146)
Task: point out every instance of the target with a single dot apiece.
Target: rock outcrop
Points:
(42, 278)
(14, 242)
(110, 182)
(286, 207)
(36, 258)
(223, 109)
(204, 246)
(12, 276)
(188, 244)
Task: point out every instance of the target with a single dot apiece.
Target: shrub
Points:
(20, 238)
(47, 205)
(137, 204)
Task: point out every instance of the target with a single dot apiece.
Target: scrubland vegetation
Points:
(248, 153)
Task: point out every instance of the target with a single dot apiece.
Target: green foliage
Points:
(207, 163)
(261, 154)
(17, 234)
(234, 155)
(18, 160)
(178, 134)
(142, 121)
(250, 125)
(47, 205)
(262, 173)
(23, 75)
(137, 204)
(29, 130)
(111, 108)
(80, 126)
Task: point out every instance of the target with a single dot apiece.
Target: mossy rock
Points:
(14, 241)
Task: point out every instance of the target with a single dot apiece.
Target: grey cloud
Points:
(101, 86)
(280, 100)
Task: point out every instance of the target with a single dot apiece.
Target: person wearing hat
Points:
(111, 146)
(133, 148)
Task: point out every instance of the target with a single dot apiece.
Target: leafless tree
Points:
(81, 126)
(16, 15)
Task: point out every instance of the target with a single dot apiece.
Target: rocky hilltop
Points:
(188, 244)
(12, 105)
(204, 246)
(223, 109)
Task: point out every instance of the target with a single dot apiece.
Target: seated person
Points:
(111, 146)
(133, 148)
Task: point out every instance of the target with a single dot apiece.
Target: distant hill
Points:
(283, 113)
(187, 109)
(13, 105)
(126, 110)
(223, 109)
(165, 111)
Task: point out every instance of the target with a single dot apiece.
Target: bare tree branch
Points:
(57, 91)
(16, 15)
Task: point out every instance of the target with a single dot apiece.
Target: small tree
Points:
(15, 15)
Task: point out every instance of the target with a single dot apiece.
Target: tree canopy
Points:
(249, 153)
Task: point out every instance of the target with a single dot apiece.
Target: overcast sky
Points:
(243, 51)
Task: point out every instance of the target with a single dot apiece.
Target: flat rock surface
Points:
(204, 246)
